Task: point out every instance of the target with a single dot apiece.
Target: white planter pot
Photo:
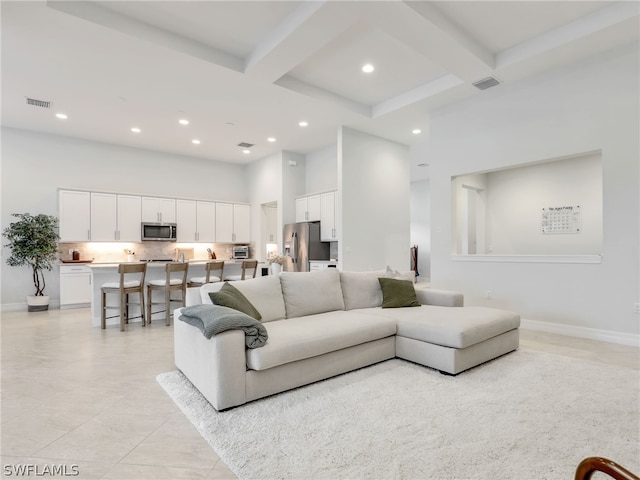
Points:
(37, 303)
(276, 268)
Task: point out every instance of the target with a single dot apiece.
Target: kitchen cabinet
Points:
(129, 209)
(196, 221)
(242, 223)
(104, 217)
(115, 217)
(74, 215)
(328, 224)
(158, 209)
(75, 286)
(308, 208)
(233, 223)
(315, 265)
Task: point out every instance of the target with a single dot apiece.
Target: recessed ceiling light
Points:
(195, 141)
(271, 139)
(61, 116)
(368, 68)
(416, 131)
(135, 130)
(183, 121)
(303, 124)
(246, 152)
(229, 124)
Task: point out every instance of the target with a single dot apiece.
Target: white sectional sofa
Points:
(327, 322)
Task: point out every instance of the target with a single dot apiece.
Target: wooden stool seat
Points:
(214, 274)
(170, 284)
(246, 265)
(124, 288)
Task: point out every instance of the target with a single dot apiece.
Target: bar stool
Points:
(246, 265)
(216, 268)
(169, 284)
(124, 287)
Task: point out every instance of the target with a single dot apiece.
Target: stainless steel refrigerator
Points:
(301, 244)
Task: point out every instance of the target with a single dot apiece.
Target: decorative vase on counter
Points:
(276, 268)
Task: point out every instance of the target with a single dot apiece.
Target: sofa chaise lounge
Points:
(325, 323)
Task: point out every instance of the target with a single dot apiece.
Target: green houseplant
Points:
(33, 240)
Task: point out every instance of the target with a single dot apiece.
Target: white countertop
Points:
(151, 264)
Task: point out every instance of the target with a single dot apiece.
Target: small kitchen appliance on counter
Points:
(240, 252)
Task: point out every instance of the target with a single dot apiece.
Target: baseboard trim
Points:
(16, 307)
(582, 332)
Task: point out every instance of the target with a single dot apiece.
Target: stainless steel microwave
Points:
(159, 232)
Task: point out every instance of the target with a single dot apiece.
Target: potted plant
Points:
(33, 240)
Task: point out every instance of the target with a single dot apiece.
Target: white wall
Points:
(421, 226)
(35, 165)
(515, 198)
(321, 170)
(586, 107)
(374, 186)
(293, 184)
(264, 183)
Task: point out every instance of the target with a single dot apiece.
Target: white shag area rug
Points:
(526, 415)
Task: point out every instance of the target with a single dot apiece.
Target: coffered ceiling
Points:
(242, 71)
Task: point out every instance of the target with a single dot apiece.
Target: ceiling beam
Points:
(311, 26)
(100, 15)
(576, 30)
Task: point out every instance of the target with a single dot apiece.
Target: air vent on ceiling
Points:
(486, 83)
(38, 103)
(246, 145)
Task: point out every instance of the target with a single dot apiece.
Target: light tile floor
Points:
(73, 394)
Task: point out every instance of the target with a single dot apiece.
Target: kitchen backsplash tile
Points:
(117, 252)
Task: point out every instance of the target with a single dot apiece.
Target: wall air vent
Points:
(486, 83)
(38, 103)
(246, 145)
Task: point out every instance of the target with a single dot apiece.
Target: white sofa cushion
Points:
(296, 339)
(308, 293)
(361, 289)
(450, 326)
(264, 293)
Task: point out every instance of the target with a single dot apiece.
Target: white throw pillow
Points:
(391, 273)
(361, 289)
(264, 293)
(308, 293)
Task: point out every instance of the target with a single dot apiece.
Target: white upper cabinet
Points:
(206, 221)
(115, 217)
(242, 223)
(157, 209)
(104, 217)
(224, 222)
(129, 218)
(196, 221)
(186, 216)
(233, 223)
(328, 224)
(74, 216)
(308, 208)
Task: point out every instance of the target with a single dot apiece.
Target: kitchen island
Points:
(102, 273)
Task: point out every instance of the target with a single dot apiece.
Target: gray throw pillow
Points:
(398, 293)
(230, 296)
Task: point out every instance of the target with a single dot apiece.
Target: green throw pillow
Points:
(230, 296)
(397, 293)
